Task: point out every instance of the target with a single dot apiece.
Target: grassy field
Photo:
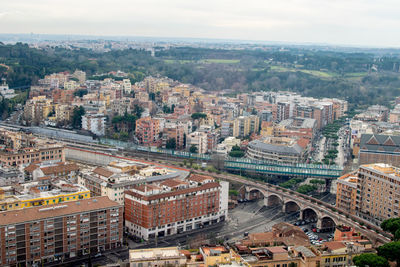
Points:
(221, 61)
(203, 61)
(321, 74)
(182, 61)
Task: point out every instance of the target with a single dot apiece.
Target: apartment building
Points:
(19, 148)
(281, 111)
(114, 179)
(199, 140)
(371, 192)
(175, 205)
(147, 130)
(40, 193)
(95, 123)
(346, 196)
(37, 109)
(176, 132)
(226, 129)
(245, 125)
(41, 235)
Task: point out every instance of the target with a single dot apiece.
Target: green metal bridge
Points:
(303, 170)
(242, 164)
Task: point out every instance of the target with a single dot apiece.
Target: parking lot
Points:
(317, 237)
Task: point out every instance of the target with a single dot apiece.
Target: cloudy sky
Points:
(346, 22)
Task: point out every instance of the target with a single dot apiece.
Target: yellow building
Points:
(70, 85)
(244, 126)
(35, 197)
(215, 255)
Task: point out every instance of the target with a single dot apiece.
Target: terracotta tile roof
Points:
(200, 178)
(277, 249)
(334, 245)
(60, 168)
(31, 167)
(261, 236)
(42, 212)
(303, 142)
(103, 172)
(173, 183)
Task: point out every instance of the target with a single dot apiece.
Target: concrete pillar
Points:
(266, 201)
(319, 223)
(283, 208)
(301, 216)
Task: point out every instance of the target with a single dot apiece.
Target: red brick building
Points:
(174, 206)
(58, 232)
(147, 130)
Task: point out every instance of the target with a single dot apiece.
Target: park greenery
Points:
(370, 259)
(77, 114)
(362, 78)
(306, 188)
(193, 149)
(387, 252)
(236, 152)
(290, 184)
(198, 115)
(171, 143)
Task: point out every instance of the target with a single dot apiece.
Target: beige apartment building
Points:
(243, 126)
(372, 192)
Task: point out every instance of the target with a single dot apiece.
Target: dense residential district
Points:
(159, 173)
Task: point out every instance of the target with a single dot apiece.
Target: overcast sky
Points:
(346, 22)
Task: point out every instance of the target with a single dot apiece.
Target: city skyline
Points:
(358, 22)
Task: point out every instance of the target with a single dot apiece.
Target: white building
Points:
(94, 123)
(126, 86)
(199, 140)
(5, 91)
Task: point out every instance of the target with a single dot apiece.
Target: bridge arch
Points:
(273, 200)
(291, 206)
(309, 214)
(255, 194)
(327, 222)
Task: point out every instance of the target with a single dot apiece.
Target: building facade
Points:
(276, 149)
(147, 130)
(371, 192)
(95, 123)
(42, 235)
(175, 206)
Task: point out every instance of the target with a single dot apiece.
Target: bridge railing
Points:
(282, 170)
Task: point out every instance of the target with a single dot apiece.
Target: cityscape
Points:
(220, 147)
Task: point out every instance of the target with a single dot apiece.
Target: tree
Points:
(193, 149)
(370, 259)
(81, 92)
(152, 96)
(199, 115)
(171, 143)
(138, 110)
(236, 152)
(393, 226)
(77, 117)
(390, 251)
(306, 188)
